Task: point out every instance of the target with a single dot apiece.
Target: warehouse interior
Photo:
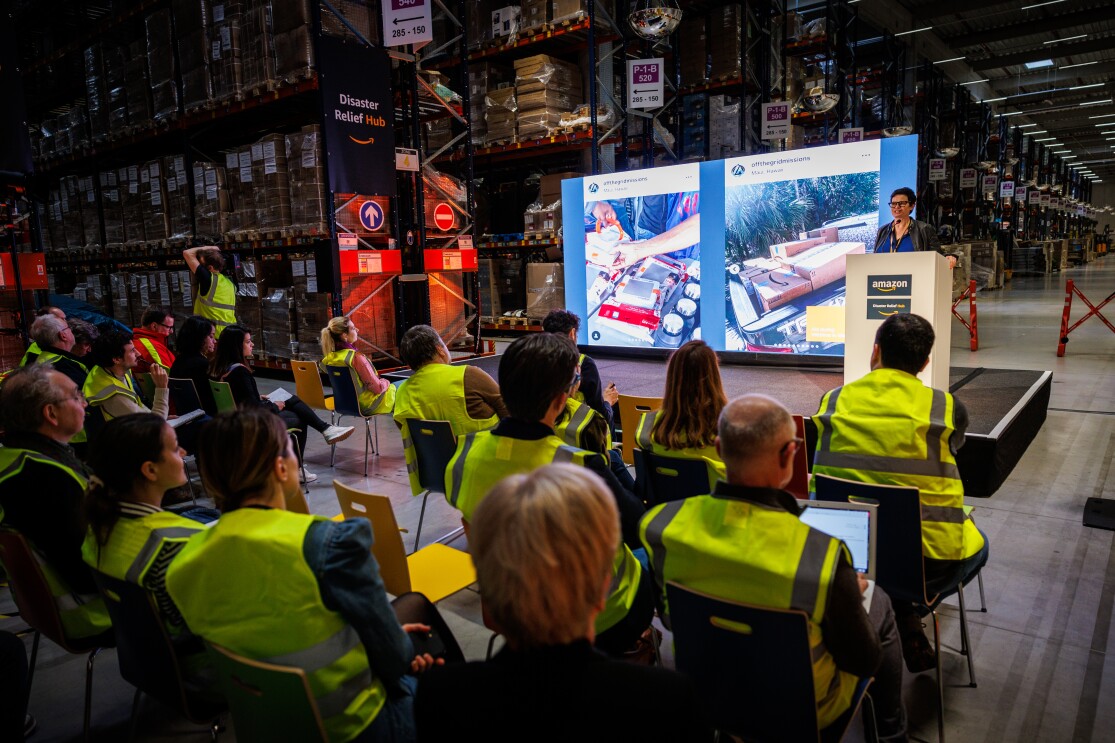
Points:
(144, 127)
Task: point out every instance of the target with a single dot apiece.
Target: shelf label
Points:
(1020, 194)
(851, 134)
(1006, 190)
(407, 22)
(645, 81)
(967, 177)
(465, 242)
(1045, 200)
(436, 261)
(346, 240)
(990, 183)
(776, 120)
(936, 168)
(406, 159)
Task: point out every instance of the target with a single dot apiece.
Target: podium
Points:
(883, 284)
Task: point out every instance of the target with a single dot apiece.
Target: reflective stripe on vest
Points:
(101, 384)
(155, 357)
(245, 584)
(577, 417)
(151, 548)
(626, 574)
(744, 551)
(889, 428)
(370, 403)
(578, 395)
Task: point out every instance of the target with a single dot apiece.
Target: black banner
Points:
(15, 145)
(359, 117)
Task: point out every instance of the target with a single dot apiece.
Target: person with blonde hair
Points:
(298, 589)
(685, 426)
(543, 544)
(338, 344)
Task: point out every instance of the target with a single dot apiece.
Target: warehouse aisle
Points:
(1041, 648)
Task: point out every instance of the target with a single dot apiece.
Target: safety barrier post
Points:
(972, 324)
(1071, 289)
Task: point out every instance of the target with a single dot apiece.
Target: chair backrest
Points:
(669, 478)
(268, 702)
(144, 649)
(32, 593)
(900, 568)
(222, 395)
(388, 543)
(307, 384)
(183, 395)
(752, 666)
(799, 483)
(146, 387)
(630, 409)
(434, 445)
(346, 400)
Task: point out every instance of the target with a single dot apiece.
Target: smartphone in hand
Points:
(427, 642)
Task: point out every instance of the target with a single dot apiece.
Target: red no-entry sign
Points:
(443, 216)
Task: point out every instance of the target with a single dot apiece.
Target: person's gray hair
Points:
(25, 393)
(749, 425)
(419, 346)
(47, 329)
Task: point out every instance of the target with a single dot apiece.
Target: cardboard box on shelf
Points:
(506, 21)
(550, 186)
(545, 288)
(535, 13)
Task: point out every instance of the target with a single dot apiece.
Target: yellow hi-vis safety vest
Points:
(83, 615)
(102, 384)
(483, 459)
(133, 546)
(370, 403)
(715, 467)
(244, 584)
(436, 392)
(219, 303)
(738, 550)
(30, 354)
(576, 421)
(889, 428)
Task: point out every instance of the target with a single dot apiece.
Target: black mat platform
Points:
(1006, 407)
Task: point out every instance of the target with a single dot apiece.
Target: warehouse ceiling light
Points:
(950, 59)
(1038, 5)
(1082, 87)
(993, 100)
(1080, 64)
(1097, 103)
(1045, 139)
(973, 82)
(914, 31)
(1067, 38)
(1039, 64)
(1025, 126)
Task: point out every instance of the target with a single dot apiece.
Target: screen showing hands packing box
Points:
(747, 253)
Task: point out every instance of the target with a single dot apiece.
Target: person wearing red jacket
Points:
(150, 339)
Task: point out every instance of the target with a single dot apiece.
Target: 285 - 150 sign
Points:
(407, 22)
(644, 83)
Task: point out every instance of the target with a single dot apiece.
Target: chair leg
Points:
(135, 715)
(966, 640)
(447, 538)
(31, 664)
(491, 644)
(367, 441)
(421, 515)
(867, 713)
(89, 689)
(982, 600)
(940, 679)
(375, 428)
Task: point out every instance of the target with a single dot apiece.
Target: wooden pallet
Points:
(572, 20)
(261, 88)
(539, 235)
(500, 142)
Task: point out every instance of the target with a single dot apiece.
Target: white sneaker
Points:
(309, 477)
(335, 434)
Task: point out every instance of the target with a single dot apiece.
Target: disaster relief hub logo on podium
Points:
(359, 117)
(780, 224)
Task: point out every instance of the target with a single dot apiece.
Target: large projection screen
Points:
(747, 254)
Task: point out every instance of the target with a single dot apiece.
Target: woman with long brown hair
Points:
(685, 426)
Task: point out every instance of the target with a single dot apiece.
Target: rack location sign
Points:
(443, 216)
(776, 120)
(406, 159)
(1006, 190)
(645, 81)
(967, 177)
(937, 169)
(407, 22)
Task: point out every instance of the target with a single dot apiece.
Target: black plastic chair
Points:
(147, 656)
(660, 479)
(434, 445)
(900, 567)
(753, 669)
(346, 401)
(183, 395)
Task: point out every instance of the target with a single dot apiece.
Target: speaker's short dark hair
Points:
(907, 192)
(905, 342)
(533, 371)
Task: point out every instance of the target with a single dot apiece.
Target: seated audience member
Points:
(592, 391)
(338, 340)
(56, 341)
(85, 334)
(131, 538)
(234, 348)
(745, 543)
(686, 425)
(197, 340)
(463, 395)
(42, 486)
(295, 589)
(536, 376)
(544, 544)
(887, 427)
(33, 350)
(150, 339)
(110, 386)
(216, 294)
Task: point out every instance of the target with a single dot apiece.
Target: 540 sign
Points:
(645, 83)
(407, 22)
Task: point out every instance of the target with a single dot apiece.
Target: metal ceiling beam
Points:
(1033, 26)
(1042, 52)
(953, 7)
